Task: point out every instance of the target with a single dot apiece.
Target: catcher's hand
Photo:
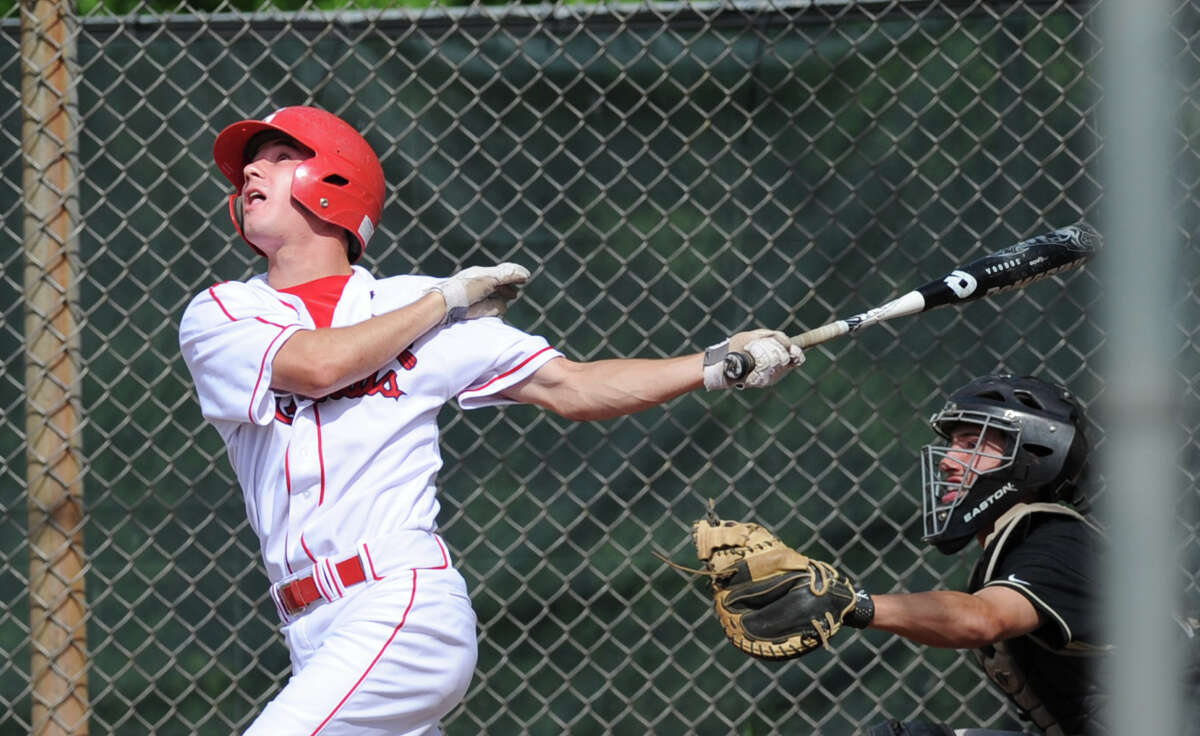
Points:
(772, 601)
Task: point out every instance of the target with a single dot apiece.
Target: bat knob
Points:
(738, 366)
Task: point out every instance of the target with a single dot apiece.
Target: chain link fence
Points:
(672, 173)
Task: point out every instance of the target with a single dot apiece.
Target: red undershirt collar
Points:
(320, 296)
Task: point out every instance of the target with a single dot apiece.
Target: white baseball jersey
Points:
(322, 476)
(353, 472)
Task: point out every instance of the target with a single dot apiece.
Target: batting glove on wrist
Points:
(773, 353)
(480, 291)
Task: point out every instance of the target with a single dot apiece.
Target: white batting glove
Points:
(773, 353)
(480, 291)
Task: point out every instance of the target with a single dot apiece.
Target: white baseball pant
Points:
(390, 659)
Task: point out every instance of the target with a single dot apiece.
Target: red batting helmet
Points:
(341, 184)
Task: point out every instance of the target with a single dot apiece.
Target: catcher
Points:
(1004, 471)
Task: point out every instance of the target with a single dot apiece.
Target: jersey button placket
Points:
(305, 469)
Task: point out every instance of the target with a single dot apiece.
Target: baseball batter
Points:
(325, 382)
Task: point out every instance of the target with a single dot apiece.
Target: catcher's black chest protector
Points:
(1048, 552)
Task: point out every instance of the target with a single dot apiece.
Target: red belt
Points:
(301, 593)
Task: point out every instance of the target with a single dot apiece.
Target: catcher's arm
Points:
(954, 620)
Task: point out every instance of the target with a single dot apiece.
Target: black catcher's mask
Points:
(1044, 453)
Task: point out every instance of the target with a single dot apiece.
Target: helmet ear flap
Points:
(235, 212)
(237, 215)
(1075, 467)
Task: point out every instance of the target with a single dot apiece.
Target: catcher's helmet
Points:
(341, 184)
(1044, 455)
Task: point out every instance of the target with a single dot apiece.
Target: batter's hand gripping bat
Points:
(1011, 268)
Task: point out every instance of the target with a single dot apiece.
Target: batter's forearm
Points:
(627, 386)
(318, 362)
(605, 389)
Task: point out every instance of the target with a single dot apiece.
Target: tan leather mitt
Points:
(772, 601)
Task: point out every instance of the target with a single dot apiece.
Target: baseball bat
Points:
(1012, 268)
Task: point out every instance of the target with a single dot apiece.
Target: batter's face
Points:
(270, 217)
(973, 453)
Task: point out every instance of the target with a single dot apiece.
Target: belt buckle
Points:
(290, 600)
(285, 594)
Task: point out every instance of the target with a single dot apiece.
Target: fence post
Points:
(1143, 393)
(57, 603)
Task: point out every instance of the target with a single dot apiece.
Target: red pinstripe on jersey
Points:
(287, 544)
(212, 291)
(262, 368)
(522, 364)
(371, 562)
(445, 557)
(320, 452)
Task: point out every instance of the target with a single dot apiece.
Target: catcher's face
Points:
(973, 450)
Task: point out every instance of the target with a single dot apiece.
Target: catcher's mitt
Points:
(772, 601)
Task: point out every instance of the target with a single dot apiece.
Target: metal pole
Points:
(57, 603)
(1142, 383)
